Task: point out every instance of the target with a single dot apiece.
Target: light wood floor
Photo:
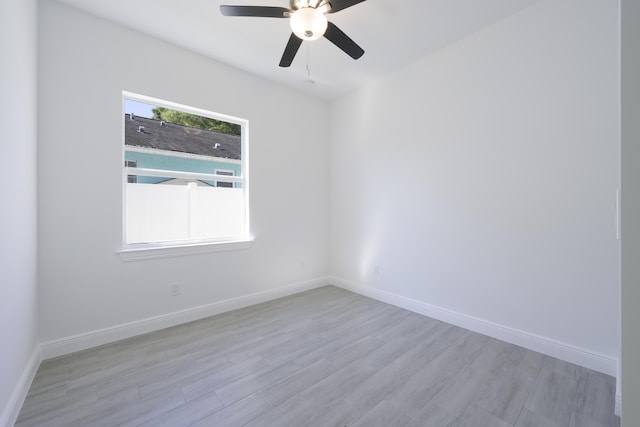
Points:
(326, 357)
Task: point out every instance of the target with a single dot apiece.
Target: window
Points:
(224, 183)
(132, 179)
(184, 177)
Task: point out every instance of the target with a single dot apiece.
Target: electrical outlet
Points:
(176, 289)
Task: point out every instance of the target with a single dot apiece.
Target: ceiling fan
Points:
(308, 22)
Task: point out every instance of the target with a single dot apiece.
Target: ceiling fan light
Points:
(308, 23)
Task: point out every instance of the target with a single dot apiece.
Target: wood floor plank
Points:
(477, 417)
(358, 350)
(388, 352)
(506, 394)
(554, 397)
(339, 384)
(337, 414)
(322, 358)
(254, 382)
(385, 381)
(138, 378)
(55, 413)
(196, 387)
(187, 414)
(594, 399)
(237, 414)
(432, 415)
(294, 412)
(461, 390)
(300, 380)
(258, 348)
(384, 414)
(531, 419)
(129, 413)
(307, 337)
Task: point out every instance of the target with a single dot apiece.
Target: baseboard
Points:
(619, 405)
(91, 339)
(579, 356)
(12, 410)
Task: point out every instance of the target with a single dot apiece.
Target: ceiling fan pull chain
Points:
(308, 60)
(309, 80)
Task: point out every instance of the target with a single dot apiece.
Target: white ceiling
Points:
(393, 33)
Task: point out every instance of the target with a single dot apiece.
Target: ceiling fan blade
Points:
(290, 51)
(324, 8)
(338, 5)
(340, 39)
(259, 11)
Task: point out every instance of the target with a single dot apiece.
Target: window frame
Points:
(151, 250)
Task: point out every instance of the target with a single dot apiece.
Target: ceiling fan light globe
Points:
(308, 23)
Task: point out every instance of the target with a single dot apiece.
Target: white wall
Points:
(18, 300)
(630, 213)
(482, 179)
(84, 65)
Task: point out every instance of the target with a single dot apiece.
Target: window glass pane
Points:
(157, 143)
(176, 210)
(176, 163)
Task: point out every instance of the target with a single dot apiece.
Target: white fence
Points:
(159, 213)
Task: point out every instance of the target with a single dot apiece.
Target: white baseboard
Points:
(91, 339)
(12, 410)
(579, 356)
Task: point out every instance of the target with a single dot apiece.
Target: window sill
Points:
(150, 251)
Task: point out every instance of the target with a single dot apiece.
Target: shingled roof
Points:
(150, 133)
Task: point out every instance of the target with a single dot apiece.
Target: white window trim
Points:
(162, 173)
(148, 251)
(145, 251)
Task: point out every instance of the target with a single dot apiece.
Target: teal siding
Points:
(156, 161)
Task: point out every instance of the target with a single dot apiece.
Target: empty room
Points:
(320, 213)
